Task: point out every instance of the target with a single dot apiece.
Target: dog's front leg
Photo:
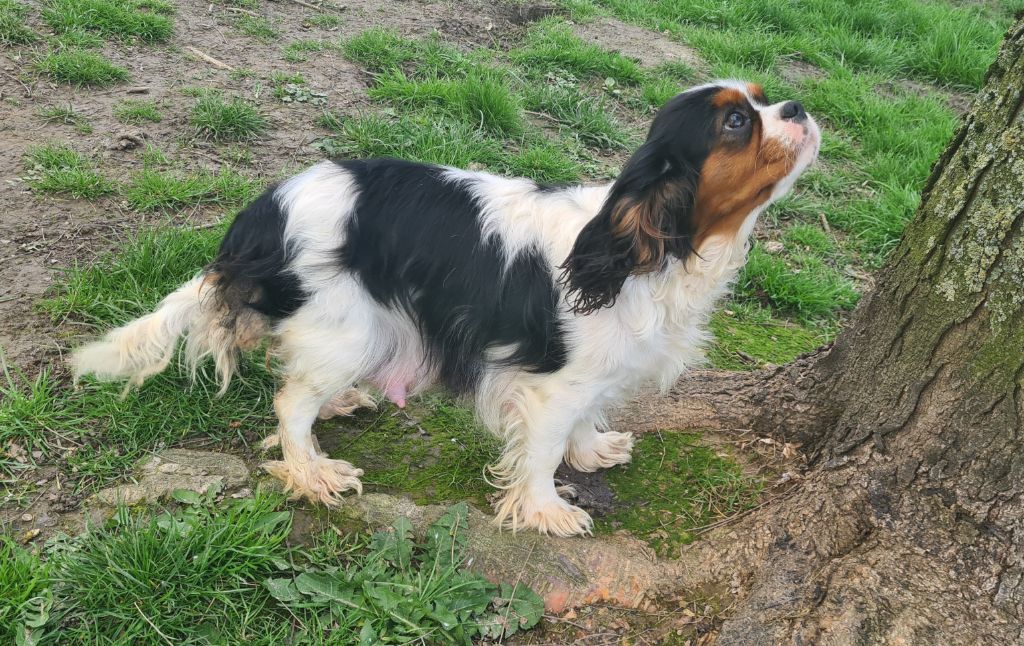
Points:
(537, 430)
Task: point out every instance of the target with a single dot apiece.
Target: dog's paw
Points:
(345, 403)
(321, 480)
(599, 451)
(551, 515)
(271, 441)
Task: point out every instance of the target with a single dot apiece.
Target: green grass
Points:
(281, 78)
(436, 59)
(897, 139)
(23, 581)
(121, 19)
(379, 50)
(543, 160)
(552, 47)
(674, 485)
(256, 26)
(153, 157)
(809, 238)
(933, 41)
(135, 112)
(208, 573)
(479, 99)
(66, 115)
(586, 117)
(656, 92)
(13, 30)
(419, 138)
(219, 119)
(799, 283)
(75, 38)
(152, 190)
(748, 336)
(326, 21)
(81, 68)
(27, 415)
(192, 574)
(57, 168)
(240, 73)
(465, 109)
(446, 141)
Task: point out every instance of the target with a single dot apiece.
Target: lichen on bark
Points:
(983, 254)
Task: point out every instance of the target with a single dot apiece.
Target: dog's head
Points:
(715, 156)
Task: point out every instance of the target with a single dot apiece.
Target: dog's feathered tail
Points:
(145, 347)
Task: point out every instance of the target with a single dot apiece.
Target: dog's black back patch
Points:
(414, 240)
(252, 262)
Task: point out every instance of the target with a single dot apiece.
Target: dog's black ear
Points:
(648, 214)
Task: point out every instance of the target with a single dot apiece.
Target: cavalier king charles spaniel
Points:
(549, 304)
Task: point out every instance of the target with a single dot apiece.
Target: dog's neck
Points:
(719, 256)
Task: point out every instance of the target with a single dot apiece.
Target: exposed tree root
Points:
(777, 401)
(850, 559)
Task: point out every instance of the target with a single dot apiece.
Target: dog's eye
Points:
(735, 120)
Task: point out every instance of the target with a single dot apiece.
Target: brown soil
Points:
(958, 101)
(649, 47)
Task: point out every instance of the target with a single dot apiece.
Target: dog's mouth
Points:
(809, 144)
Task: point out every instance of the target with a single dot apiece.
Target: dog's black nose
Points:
(793, 110)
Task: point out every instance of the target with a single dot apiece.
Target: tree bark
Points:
(909, 527)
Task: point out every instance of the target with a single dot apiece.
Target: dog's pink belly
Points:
(396, 392)
(395, 382)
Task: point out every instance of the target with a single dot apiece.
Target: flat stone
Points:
(160, 474)
(565, 572)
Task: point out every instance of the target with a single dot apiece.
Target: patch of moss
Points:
(433, 451)
(674, 485)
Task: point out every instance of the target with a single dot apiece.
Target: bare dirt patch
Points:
(959, 102)
(648, 47)
(796, 71)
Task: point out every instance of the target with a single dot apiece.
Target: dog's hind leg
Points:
(589, 449)
(347, 402)
(343, 403)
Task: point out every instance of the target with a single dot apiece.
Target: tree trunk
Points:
(909, 526)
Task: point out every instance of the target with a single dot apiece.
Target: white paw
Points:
(345, 403)
(320, 480)
(600, 451)
(549, 515)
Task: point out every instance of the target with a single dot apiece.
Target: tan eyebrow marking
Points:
(728, 96)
